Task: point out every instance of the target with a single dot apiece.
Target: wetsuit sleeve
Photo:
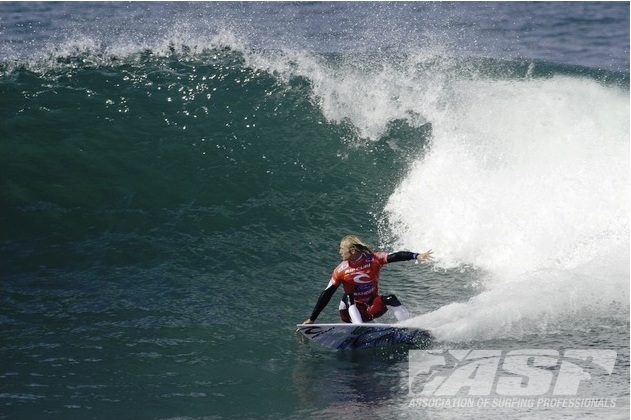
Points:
(402, 256)
(323, 300)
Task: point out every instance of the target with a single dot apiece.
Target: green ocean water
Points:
(155, 212)
(169, 214)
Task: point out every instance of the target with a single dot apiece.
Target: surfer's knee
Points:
(391, 300)
(399, 311)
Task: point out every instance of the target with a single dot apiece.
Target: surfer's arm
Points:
(323, 300)
(407, 256)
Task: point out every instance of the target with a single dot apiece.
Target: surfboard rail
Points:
(361, 336)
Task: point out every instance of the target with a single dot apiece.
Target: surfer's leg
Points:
(399, 311)
(349, 312)
(348, 302)
(344, 315)
(356, 316)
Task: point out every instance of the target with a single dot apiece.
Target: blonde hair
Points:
(354, 241)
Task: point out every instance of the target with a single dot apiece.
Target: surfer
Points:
(359, 273)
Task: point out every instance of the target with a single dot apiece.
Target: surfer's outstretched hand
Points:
(425, 256)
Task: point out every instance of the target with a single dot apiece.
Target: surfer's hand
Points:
(308, 321)
(427, 256)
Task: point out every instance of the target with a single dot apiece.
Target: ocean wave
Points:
(512, 167)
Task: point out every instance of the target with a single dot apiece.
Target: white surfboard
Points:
(362, 336)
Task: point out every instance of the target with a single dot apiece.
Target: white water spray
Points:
(529, 182)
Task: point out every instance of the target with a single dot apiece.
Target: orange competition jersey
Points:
(360, 277)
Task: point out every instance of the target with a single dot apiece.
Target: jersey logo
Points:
(358, 278)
